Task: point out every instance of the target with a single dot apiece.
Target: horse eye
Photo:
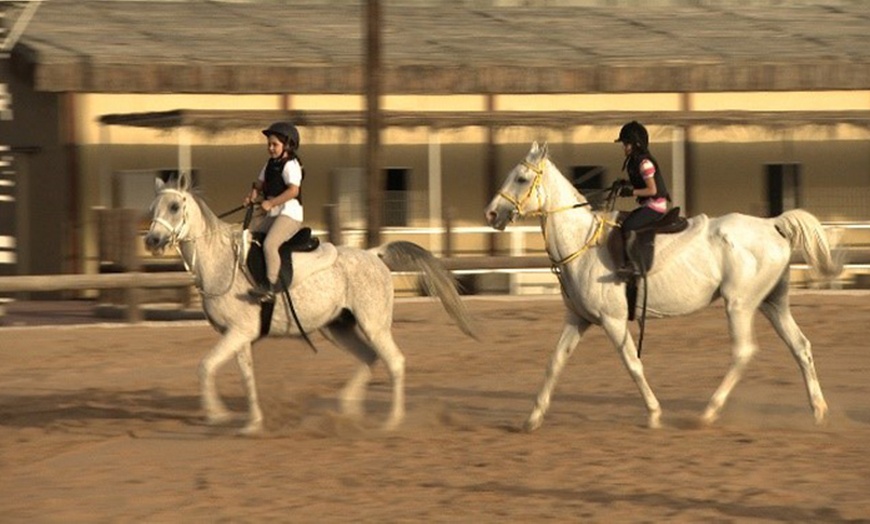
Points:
(174, 207)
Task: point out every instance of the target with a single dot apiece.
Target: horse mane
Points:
(211, 220)
(209, 217)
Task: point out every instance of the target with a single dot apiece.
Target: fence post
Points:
(447, 242)
(333, 223)
(129, 259)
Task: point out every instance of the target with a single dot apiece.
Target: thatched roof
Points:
(200, 46)
(218, 121)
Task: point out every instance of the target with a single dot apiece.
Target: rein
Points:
(535, 189)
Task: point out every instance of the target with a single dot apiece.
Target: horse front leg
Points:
(245, 360)
(617, 331)
(572, 332)
(230, 344)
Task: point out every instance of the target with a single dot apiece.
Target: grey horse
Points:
(344, 292)
(741, 259)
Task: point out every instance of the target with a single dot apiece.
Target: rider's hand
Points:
(626, 191)
(251, 197)
(266, 205)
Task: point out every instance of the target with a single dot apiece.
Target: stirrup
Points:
(262, 293)
(627, 272)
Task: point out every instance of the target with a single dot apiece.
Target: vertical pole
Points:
(72, 264)
(678, 177)
(688, 174)
(435, 206)
(374, 186)
(491, 168)
(333, 223)
(130, 261)
(185, 158)
(447, 243)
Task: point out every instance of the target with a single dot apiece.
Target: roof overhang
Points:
(229, 120)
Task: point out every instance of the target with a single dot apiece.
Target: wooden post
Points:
(129, 253)
(333, 223)
(491, 168)
(448, 233)
(374, 186)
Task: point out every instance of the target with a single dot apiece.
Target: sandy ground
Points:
(102, 423)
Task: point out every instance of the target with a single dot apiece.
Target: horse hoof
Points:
(708, 418)
(391, 425)
(219, 417)
(821, 415)
(532, 424)
(252, 428)
(655, 421)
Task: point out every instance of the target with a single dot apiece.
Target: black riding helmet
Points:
(635, 134)
(286, 131)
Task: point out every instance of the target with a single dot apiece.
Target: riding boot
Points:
(263, 292)
(627, 269)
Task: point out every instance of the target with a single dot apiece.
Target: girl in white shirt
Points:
(280, 183)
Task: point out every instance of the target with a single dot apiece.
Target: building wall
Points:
(45, 230)
(727, 164)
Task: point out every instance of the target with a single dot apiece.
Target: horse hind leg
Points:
(743, 349)
(777, 311)
(344, 333)
(382, 343)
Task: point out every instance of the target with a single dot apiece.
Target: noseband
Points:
(520, 203)
(176, 232)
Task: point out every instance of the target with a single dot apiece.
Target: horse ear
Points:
(545, 150)
(184, 181)
(158, 184)
(535, 148)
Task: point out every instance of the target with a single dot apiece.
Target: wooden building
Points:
(753, 106)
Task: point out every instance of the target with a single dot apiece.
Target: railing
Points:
(518, 262)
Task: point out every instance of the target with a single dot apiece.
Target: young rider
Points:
(280, 184)
(646, 184)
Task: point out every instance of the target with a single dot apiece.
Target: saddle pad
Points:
(666, 246)
(306, 263)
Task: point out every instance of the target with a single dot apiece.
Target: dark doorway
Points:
(783, 188)
(396, 197)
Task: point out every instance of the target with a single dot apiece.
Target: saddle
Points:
(641, 244)
(303, 255)
(640, 249)
(311, 255)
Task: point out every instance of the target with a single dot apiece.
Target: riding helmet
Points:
(286, 131)
(635, 134)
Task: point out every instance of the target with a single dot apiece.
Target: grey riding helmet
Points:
(286, 131)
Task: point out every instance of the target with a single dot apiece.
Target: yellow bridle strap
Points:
(520, 203)
(594, 240)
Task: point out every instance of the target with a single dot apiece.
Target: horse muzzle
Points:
(498, 217)
(156, 243)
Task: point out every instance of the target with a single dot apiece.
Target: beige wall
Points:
(727, 162)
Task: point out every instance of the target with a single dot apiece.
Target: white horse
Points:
(740, 258)
(345, 293)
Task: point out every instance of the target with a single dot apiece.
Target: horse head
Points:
(170, 221)
(522, 193)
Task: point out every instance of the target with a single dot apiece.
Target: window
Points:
(396, 197)
(783, 187)
(588, 178)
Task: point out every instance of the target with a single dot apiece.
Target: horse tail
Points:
(438, 281)
(805, 233)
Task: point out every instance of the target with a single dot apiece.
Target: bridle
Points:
(535, 189)
(178, 235)
(179, 231)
